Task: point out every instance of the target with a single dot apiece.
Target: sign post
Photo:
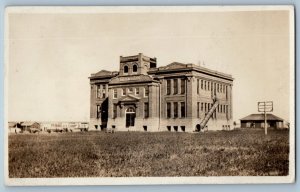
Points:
(265, 106)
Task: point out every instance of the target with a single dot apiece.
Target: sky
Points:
(51, 56)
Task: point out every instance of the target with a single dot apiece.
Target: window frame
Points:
(146, 110)
(115, 93)
(133, 67)
(124, 91)
(182, 86)
(182, 109)
(168, 87)
(146, 91)
(126, 68)
(175, 86)
(175, 108)
(98, 111)
(115, 111)
(168, 110)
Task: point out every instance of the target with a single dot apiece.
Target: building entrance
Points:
(130, 117)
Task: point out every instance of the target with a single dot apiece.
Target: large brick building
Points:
(144, 97)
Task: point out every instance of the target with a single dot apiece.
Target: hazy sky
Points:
(51, 56)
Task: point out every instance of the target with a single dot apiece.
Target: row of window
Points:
(205, 107)
(176, 106)
(175, 128)
(131, 90)
(211, 86)
(145, 127)
(101, 91)
(134, 68)
(176, 86)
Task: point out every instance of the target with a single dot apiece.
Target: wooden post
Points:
(266, 127)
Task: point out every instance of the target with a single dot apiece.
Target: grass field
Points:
(90, 154)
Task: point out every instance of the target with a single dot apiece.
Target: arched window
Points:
(125, 69)
(130, 110)
(134, 69)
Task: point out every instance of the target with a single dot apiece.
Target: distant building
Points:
(59, 126)
(258, 121)
(14, 127)
(27, 125)
(144, 97)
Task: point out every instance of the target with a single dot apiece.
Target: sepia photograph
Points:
(132, 95)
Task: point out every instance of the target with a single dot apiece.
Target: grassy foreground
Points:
(90, 154)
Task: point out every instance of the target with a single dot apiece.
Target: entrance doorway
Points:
(130, 117)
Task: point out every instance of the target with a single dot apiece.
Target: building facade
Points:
(176, 97)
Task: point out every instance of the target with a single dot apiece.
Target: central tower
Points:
(136, 65)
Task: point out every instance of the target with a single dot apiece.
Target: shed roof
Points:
(28, 123)
(260, 116)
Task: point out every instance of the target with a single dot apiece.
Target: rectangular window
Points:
(169, 128)
(182, 109)
(115, 93)
(98, 111)
(175, 86)
(146, 110)
(168, 110)
(208, 85)
(130, 90)
(146, 91)
(137, 91)
(175, 109)
(226, 109)
(182, 128)
(103, 91)
(201, 84)
(168, 87)
(218, 90)
(201, 106)
(123, 91)
(98, 91)
(221, 88)
(175, 128)
(145, 127)
(205, 107)
(198, 86)
(204, 85)
(182, 86)
(115, 111)
(198, 108)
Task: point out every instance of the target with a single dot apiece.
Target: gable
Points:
(129, 98)
(175, 65)
(103, 73)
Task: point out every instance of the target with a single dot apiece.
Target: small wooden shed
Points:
(258, 121)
